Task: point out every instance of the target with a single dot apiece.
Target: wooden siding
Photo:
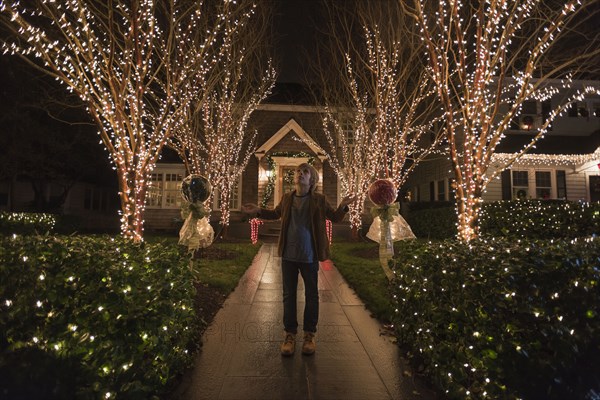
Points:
(269, 122)
(162, 219)
(494, 191)
(576, 182)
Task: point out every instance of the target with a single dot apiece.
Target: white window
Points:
(415, 194)
(534, 184)
(543, 184)
(164, 190)
(579, 110)
(154, 191)
(172, 191)
(441, 190)
(235, 199)
(529, 118)
(520, 185)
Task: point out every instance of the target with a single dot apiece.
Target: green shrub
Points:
(432, 223)
(67, 224)
(428, 205)
(359, 264)
(533, 219)
(101, 315)
(502, 319)
(541, 219)
(26, 223)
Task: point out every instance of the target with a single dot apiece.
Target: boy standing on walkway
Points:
(302, 244)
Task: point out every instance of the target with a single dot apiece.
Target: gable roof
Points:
(289, 126)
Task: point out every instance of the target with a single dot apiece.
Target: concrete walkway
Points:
(240, 356)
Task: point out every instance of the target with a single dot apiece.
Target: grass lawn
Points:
(222, 265)
(359, 263)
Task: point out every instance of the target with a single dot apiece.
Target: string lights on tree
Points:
(214, 140)
(135, 66)
(379, 111)
(486, 61)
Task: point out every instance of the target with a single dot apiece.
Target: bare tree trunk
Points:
(133, 202)
(224, 232)
(354, 233)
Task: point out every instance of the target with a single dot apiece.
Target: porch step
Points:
(269, 231)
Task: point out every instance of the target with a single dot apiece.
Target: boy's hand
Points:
(347, 200)
(250, 208)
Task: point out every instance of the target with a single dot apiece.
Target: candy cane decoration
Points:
(254, 224)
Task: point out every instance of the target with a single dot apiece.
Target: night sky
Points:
(296, 32)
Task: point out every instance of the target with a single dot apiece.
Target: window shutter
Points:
(561, 184)
(432, 191)
(506, 185)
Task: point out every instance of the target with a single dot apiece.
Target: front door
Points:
(286, 176)
(594, 188)
(285, 167)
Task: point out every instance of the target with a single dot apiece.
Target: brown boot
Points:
(309, 345)
(289, 344)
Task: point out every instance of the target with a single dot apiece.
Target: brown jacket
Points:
(320, 210)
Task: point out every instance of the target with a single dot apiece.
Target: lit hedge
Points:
(94, 317)
(26, 223)
(502, 319)
(541, 219)
(433, 223)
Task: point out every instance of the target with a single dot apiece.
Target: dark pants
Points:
(310, 276)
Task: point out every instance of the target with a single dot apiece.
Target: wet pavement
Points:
(240, 356)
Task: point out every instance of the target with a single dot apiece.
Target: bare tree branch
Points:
(214, 141)
(378, 117)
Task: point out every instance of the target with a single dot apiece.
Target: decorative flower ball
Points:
(195, 188)
(382, 192)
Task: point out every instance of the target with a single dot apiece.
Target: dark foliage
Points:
(100, 315)
(540, 219)
(502, 318)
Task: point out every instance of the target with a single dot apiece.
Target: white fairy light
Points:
(385, 118)
(473, 60)
(136, 77)
(213, 139)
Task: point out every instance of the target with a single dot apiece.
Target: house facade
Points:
(564, 164)
(285, 134)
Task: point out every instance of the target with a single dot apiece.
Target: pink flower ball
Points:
(382, 192)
